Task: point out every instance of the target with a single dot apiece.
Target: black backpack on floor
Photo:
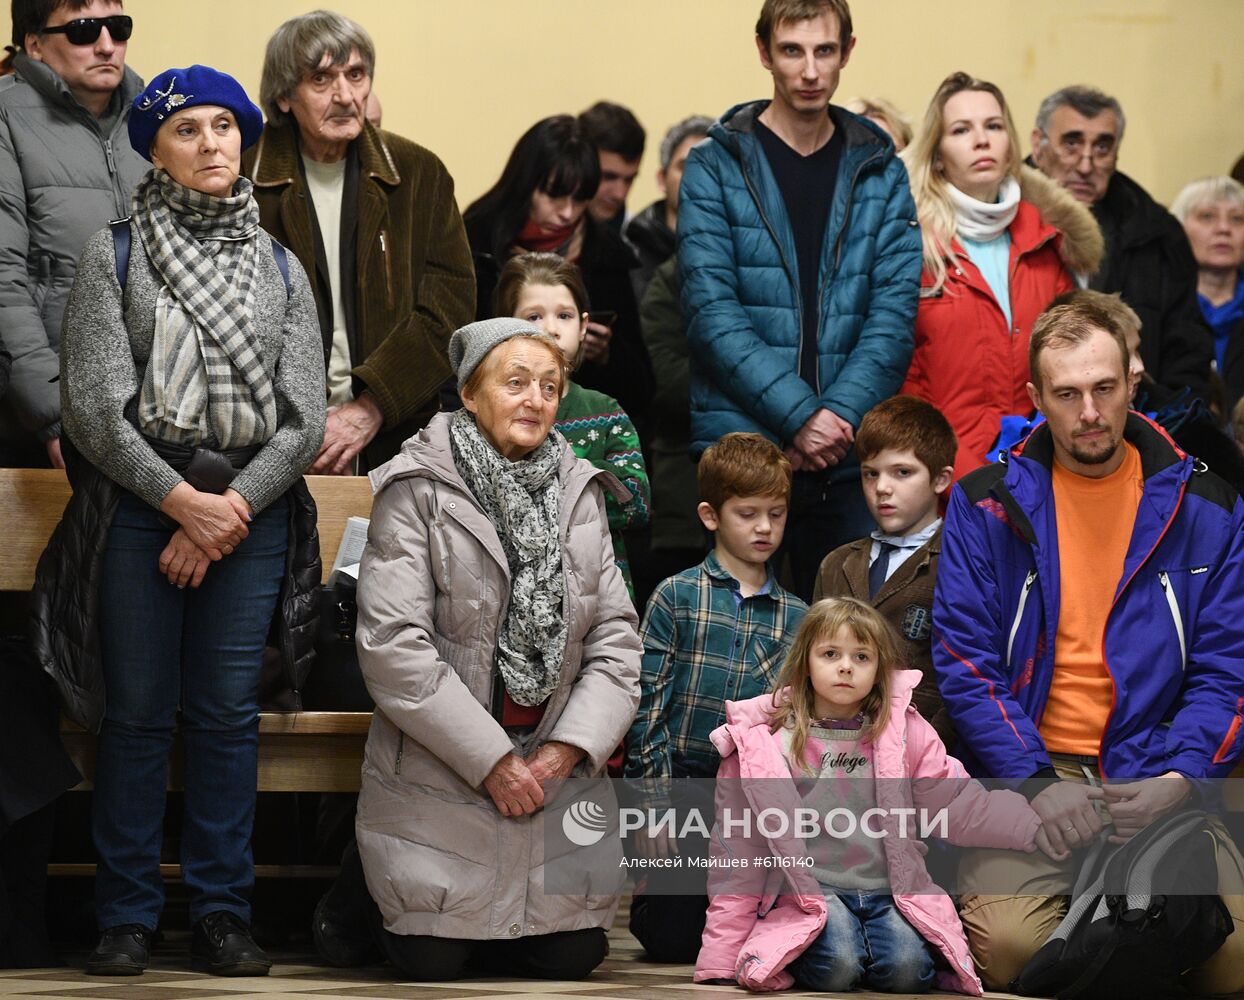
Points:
(1141, 914)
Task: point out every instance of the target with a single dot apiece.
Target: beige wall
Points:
(466, 78)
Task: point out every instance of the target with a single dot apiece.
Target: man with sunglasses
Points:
(1148, 261)
(66, 169)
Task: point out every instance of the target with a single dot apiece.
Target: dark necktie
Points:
(877, 571)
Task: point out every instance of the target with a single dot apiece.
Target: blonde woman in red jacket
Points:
(1000, 242)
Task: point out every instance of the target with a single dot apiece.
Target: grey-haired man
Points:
(652, 232)
(1148, 261)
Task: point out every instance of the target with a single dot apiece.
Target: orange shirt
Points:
(1095, 519)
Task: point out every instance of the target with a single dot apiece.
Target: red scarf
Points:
(532, 237)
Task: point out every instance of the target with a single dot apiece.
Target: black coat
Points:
(1148, 261)
(653, 242)
(65, 600)
(606, 263)
(1233, 364)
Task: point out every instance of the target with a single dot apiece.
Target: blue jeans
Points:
(823, 515)
(865, 941)
(199, 651)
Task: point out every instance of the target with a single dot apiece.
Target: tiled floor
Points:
(624, 975)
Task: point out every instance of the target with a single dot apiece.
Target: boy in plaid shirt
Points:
(714, 633)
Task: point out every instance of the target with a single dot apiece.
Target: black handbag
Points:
(335, 683)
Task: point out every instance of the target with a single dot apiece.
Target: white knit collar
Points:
(981, 221)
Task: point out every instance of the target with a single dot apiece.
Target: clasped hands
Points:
(1069, 811)
(823, 441)
(517, 785)
(211, 526)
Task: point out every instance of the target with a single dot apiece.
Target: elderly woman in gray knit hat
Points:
(497, 639)
(192, 386)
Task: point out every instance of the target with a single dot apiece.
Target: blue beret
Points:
(175, 89)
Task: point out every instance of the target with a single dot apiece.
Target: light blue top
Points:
(993, 260)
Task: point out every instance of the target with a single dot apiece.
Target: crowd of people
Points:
(866, 450)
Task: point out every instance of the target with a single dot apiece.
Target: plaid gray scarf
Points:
(205, 381)
(521, 500)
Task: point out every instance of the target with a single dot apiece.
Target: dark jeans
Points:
(200, 651)
(563, 955)
(865, 942)
(823, 515)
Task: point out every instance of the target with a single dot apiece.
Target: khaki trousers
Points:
(1004, 932)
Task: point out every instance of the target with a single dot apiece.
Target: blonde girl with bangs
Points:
(1000, 242)
(827, 625)
(841, 728)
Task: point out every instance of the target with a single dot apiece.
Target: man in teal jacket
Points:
(799, 253)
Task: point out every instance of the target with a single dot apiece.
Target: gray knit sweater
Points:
(104, 352)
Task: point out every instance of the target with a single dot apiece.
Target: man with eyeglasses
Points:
(66, 169)
(1148, 261)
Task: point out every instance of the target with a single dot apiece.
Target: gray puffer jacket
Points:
(433, 590)
(61, 179)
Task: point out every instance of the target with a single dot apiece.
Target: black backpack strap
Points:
(282, 261)
(121, 247)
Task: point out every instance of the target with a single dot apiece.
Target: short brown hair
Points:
(823, 620)
(31, 16)
(1111, 303)
(903, 422)
(776, 12)
(540, 269)
(743, 465)
(1072, 322)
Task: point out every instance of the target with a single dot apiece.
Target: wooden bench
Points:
(298, 751)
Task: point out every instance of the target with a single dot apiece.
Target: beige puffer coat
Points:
(433, 590)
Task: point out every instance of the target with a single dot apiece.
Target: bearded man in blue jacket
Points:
(1087, 637)
(799, 253)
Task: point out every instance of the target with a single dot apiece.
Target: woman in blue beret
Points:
(192, 379)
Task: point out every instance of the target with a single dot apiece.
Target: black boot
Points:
(123, 950)
(344, 917)
(223, 946)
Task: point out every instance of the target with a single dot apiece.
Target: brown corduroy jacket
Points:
(906, 601)
(404, 241)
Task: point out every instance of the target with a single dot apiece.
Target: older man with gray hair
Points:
(1076, 142)
(372, 218)
(652, 232)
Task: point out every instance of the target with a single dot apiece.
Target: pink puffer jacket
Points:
(755, 952)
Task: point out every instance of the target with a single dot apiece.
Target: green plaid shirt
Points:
(704, 644)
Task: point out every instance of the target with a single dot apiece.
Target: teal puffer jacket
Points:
(740, 281)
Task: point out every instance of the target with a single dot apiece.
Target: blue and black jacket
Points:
(1174, 637)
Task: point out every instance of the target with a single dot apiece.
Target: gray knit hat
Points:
(471, 344)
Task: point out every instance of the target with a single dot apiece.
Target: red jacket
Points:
(967, 362)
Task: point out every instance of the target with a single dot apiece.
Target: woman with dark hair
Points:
(539, 203)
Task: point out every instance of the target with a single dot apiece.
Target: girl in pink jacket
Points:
(853, 906)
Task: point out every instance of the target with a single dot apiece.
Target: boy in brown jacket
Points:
(907, 452)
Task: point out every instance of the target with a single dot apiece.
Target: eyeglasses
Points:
(85, 30)
(1072, 149)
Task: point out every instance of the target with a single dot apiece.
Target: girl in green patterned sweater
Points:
(547, 290)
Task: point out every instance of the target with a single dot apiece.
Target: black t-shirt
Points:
(807, 184)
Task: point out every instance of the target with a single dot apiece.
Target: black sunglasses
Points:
(85, 30)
